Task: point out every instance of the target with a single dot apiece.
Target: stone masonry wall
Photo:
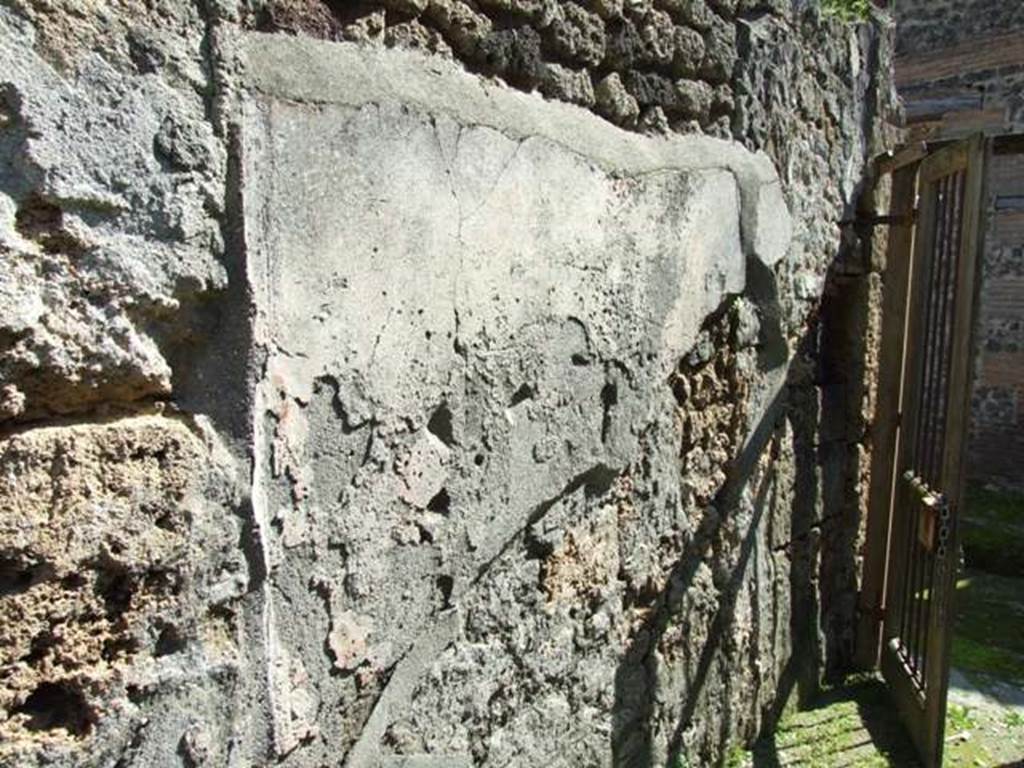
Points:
(960, 69)
(428, 382)
(961, 66)
(996, 448)
(926, 27)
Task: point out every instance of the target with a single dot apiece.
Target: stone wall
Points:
(927, 27)
(960, 69)
(428, 407)
(961, 66)
(996, 448)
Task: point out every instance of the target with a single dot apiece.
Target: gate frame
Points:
(909, 215)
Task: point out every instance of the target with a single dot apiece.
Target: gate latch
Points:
(934, 506)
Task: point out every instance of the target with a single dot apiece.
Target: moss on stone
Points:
(850, 724)
(848, 10)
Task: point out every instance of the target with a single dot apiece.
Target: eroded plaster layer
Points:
(580, 489)
(469, 304)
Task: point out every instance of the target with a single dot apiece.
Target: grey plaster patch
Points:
(492, 290)
(306, 71)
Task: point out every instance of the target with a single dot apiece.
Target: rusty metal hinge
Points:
(899, 220)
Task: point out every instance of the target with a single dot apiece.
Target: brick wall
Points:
(997, 423)
(930, 25)
(960, 69)
(960, 66)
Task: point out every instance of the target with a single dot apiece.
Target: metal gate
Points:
(921, 427)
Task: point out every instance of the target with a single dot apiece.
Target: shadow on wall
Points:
(824, 522)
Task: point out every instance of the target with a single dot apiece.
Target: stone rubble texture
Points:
(429, 406)
(928, 26)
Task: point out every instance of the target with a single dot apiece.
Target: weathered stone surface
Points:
(934, 26)
(694, 98)
(116, 563)
(106, 232)
(615, 102)
(463, 27)
(688, 54)
(544, 238)
(719, 51)
(577, 35)
(414, 35)
(569, 85)
(695, 13)
(544, 456)
(121, 560)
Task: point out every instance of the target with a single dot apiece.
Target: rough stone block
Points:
(118, 570)
(104, 231)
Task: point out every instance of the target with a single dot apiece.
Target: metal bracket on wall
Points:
(892, 161)
(901, 220)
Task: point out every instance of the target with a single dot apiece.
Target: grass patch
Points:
(850, 724)
(989, 632)
(993, 530)
(973, 656)
(856, 724)
(958, 719)
(736, 758)
(848, 10)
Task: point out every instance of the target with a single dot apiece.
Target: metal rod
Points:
(910, 561)
(925, 434)
(949, 299)
(949, 303)
(912, 552)
(943, 258)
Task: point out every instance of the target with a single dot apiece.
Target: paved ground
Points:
(855, 725)
(851, 725)
(985, 726)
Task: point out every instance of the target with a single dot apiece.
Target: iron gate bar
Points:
(955, 183)
(947, 263)
(901, 590)
(929, 435)
(922, 414)
(918, 346)
(931, 424)
(967, 288)
(910, 638)
(950, 269)
(885, 430)
(927, 438)
(912, 635)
